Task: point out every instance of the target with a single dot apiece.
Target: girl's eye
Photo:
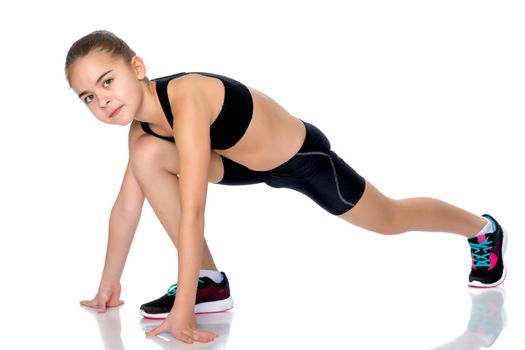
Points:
(88, 98)
(107, 82)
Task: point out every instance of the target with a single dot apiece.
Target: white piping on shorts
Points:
(333, 170)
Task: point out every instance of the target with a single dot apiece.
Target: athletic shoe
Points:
(488, 269)
(487, 316)
(211, 297)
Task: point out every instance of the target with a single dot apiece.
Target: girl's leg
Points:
(155, 164)
(378, 213)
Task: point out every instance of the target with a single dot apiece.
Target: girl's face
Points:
(109, 86)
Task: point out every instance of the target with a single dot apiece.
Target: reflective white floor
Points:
(484, 326)
(486, 321)
(453, 320)
(399, 295)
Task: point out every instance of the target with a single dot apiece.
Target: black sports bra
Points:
(232, 121)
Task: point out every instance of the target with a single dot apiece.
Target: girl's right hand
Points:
(107, 296)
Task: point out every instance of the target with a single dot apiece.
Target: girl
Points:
(190, 129)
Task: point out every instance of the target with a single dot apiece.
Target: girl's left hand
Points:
(183, 328)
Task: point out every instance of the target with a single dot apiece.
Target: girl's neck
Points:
(151, 111)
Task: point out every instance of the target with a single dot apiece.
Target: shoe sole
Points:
(477, 284)
(211, 307)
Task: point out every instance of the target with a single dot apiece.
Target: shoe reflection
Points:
(487, 320)
(109, 326)
(219, 323)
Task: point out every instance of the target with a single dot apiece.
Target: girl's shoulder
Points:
(194, 88)
(190, 83)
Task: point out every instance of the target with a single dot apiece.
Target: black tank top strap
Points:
(145, 126)
(162, 92)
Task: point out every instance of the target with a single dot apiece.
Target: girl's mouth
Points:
(115, 112)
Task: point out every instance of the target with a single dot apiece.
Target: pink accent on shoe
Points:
(493, 260)
(154, 318)
(213, 312)
(481, 239)
(197, 313)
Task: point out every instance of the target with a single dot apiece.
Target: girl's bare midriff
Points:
(273, 136)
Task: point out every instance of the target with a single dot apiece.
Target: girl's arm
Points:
(123, 222)
(192, 132)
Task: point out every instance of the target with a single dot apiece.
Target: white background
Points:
(423, 98)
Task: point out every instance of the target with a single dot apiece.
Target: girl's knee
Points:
(388, 228)
(376, 213)
(146, 154)
(390, 222)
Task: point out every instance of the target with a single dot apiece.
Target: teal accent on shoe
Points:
(481, 260)
(172, 290)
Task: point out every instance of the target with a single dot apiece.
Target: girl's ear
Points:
(137, 65)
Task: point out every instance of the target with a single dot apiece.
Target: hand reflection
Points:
(487, 320)
(109, 326)
(110, 329)
(218, 323)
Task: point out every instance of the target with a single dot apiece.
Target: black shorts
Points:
(315, 171)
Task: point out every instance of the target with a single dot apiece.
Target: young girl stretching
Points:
(189, 129)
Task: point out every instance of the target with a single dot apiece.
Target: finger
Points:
(88, 303)
(200, 336)
(102, 301)
(114, 299)
(101, 308)
(115, 304)
(156, 331)
(184, 336)
(203, 338)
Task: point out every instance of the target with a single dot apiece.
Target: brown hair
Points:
(98, 40)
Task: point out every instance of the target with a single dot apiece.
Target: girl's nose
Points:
(104, 101)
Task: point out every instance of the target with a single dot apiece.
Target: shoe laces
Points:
(481, 260)
(172, 290)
